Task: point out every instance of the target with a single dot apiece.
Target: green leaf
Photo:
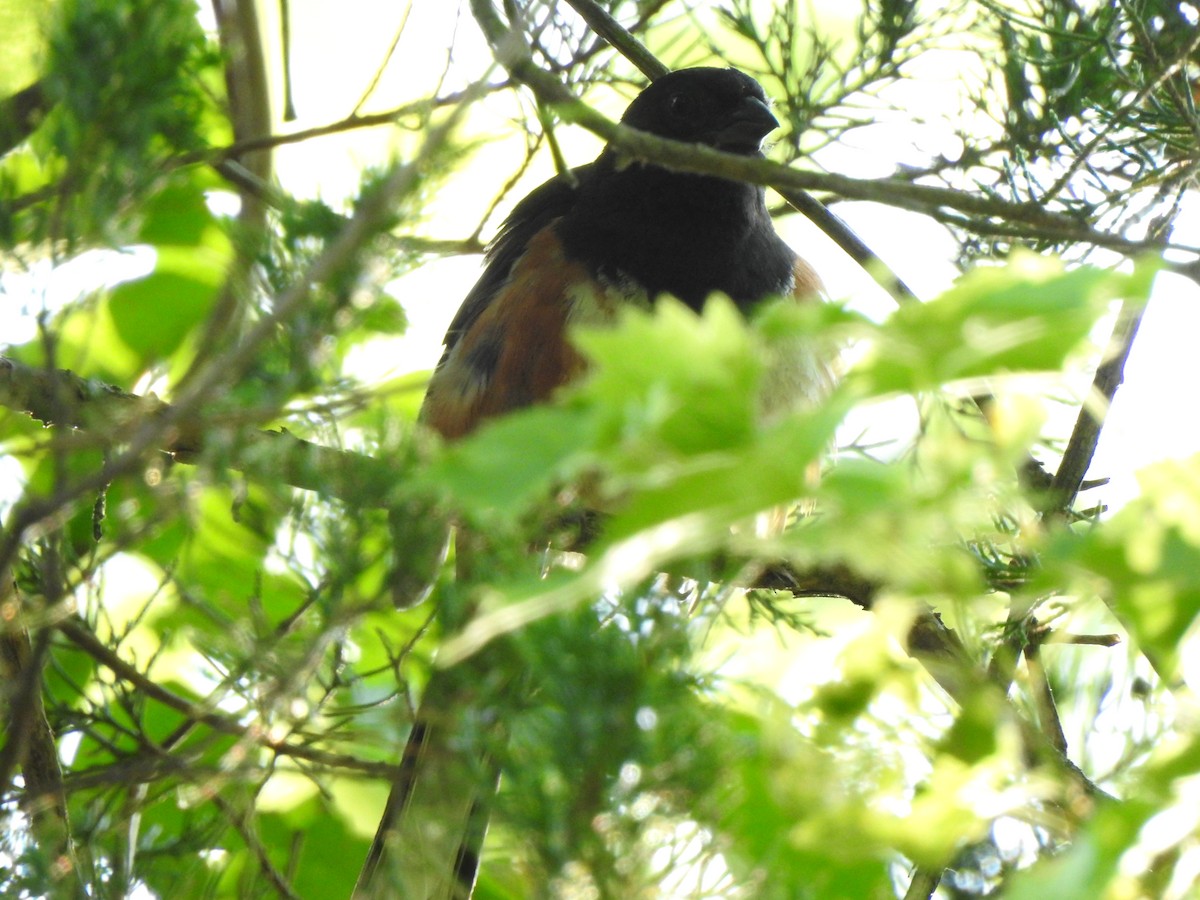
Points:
(154, 315)
(1086, 869)
(513, 461)
(220, 564)
(328, 850)
(785, 809)
(19, 23)
(179, 216)
(164, 817)
(689, 380)
(385, 315)
(1025, 317)
(86, 343)
(71, 669)
(728, 487)
(1145, 561)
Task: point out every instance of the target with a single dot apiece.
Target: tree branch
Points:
(108, 415)
(248, 98)
(1081, 447)
(211, 375)
(244, 825)
(924, 883)
(352, 122)
(514, 55)
(82, 637)
(602, 22)
(29, 743)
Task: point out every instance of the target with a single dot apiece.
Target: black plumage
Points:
(613, 231)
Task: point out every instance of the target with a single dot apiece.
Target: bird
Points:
(615, 232)
(577, 250)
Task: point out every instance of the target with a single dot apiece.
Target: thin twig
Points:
(30, 745)
(1041, 223)
(602, 22)
(106, 413)
(924, 883)
(206, 381)
(254, 844)
(1047, 709)
(80, 635)
(387, 58)
(1121, 115)
(1081, 447)
(352, 122)
(1083, 640)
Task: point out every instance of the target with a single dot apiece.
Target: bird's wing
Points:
(507, 346)
(537, 210)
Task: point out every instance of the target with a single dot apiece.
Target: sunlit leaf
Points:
(1146, 561)
(1026, 317)
(155, 314)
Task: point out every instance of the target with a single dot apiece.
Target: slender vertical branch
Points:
(1081, 447)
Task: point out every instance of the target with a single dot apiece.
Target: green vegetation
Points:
(199, 557)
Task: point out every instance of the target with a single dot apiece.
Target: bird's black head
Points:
(723, 108)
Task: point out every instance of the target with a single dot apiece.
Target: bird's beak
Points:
(747, 126)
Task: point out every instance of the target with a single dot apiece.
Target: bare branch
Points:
(1081, 447)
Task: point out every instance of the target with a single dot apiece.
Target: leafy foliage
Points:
(94, 77)
(200, 619)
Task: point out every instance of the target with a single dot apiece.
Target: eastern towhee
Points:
(613, 232)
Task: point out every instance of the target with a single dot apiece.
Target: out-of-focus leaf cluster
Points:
(126, 88)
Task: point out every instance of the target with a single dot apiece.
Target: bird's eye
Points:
(680, 105)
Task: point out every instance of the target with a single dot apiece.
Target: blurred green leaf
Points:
(1025, 317)
(670, 736)
(155, 314)
(1086, 869)
(512, 462)
(178, 216)
(87, 343)
(784, 806)
(688, 381)
(19, 23)
(384, 316)
(1145, 561)
(71, 669)
(321, 846)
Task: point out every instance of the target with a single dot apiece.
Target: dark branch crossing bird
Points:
(580, 247)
